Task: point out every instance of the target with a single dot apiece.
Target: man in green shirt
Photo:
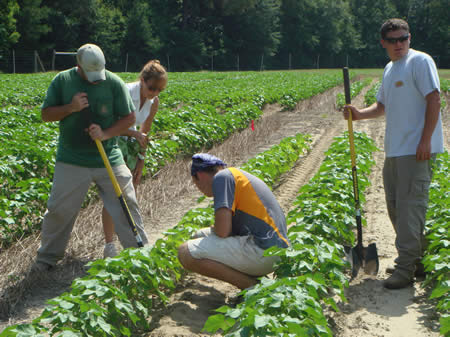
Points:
(90, 103)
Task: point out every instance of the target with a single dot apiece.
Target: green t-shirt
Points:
(108, 100)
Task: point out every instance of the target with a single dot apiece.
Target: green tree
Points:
(32, 24)
(109, 33)
(317, 31)
(254, 33)
(429, 22)
(90, 21)
(8, 30)
(139, 40)
(369, 16)
(402, 7)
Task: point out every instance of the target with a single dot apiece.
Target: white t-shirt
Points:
(405, 84)
(141, 114)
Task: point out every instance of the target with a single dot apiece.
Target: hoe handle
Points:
(118, 191)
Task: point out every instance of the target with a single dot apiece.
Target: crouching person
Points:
(248, 220)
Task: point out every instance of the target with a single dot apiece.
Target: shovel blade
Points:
(368, 260)
(371, 262)
(352, 256)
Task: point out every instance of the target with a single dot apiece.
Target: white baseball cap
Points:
(91, 59)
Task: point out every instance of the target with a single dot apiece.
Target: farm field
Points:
(370, 310)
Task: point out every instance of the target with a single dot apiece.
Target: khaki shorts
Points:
(238, 252)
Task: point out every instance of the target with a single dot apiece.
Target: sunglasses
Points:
(152, 88)
(394, 40)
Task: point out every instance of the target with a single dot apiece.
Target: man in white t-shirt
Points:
(409, 96)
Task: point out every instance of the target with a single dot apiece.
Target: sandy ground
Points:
(370, 311)
(373, 310)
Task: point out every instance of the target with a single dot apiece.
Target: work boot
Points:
(419, 272)
(109, 250)
(397, 281)
(40, 267)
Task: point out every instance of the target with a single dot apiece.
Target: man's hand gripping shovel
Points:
(117, 189)
(358, 256)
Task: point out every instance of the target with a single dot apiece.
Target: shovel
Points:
(116, 185)
(359, 256)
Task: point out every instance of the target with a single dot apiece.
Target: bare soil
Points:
(371, 310)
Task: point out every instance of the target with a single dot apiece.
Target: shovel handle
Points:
(118, 191)
(350, 122)
(353, 158)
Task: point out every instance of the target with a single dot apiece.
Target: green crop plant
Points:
(370, 96)
(355, 89)
(312, 268)
(437, 255)
(117, 296)
(197, 111)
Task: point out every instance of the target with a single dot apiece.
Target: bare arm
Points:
(222, 223)
(374, 111)
(131, 133)
(433, 108)
(56, 113)
(147, 125)
(141, 135)
(116, 129)
(142, 138)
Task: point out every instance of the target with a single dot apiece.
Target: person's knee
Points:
(56, 212)
(184, 256)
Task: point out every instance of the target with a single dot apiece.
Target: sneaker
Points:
(109, 250)
(40, 267)
(397, 281)
(419, 272)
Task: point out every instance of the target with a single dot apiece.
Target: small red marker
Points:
(253, 125)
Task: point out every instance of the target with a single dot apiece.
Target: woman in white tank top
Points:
(133, 144)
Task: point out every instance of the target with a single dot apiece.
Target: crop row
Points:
(221, 89)
(311, 270)
(371, 95)
(117, 296)
(437, 256)
(197, 111)
(355, 89)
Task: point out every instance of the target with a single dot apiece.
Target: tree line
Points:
(224, 34)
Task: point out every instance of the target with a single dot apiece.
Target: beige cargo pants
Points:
(70, 185)
(406, 185)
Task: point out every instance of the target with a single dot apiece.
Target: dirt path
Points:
(371, 310)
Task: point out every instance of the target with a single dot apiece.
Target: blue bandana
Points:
(201, 161)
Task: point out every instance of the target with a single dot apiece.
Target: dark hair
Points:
(393, 25)
(209, 169)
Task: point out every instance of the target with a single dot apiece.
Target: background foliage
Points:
(222, 34)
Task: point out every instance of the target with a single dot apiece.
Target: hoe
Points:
(116, 185)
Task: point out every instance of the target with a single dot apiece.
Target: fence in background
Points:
(29, 61)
